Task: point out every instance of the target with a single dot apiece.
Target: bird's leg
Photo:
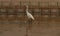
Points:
(29, 24)
(27, 27)
(26, 31)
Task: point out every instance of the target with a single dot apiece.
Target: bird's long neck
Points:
(27, 9)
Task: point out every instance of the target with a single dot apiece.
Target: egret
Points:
(29, 15)
(30, 18)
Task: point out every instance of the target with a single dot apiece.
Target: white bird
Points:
(28, 14)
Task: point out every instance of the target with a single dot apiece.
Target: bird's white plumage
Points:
(28, 14)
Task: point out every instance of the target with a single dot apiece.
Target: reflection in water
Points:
(28, 27)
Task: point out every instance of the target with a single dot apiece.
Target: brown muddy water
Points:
(50, 27)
